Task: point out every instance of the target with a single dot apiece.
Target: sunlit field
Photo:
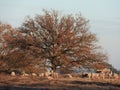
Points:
(59, 45)
(64, 81)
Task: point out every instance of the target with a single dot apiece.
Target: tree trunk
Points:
(54, 67)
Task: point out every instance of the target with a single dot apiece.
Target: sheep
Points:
(116, 76)
(95, 75)
(111, 75)
(51, 75)
(34, 74)
(69, 75)
(13, 74)
(25, 74)
(102, 75)
(106, 74)
(47, 74)
(54, 74)
(106, 71)
(49, 78)
(41, 75)
(89, 75)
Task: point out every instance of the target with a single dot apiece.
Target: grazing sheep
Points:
(89, 75)
(41, 75)
(49, 78)
(102, 75)
(13, 74)
(69, 75)
(95, 75)
(111, 75)
(116, 76)
(106, 74)
(47, 74)
(25, 74)
(106, 70)
(54, 74)
(34, 74)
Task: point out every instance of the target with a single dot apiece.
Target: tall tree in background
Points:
(52, 41)
(63, 41)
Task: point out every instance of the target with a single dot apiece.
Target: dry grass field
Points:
(18, 82)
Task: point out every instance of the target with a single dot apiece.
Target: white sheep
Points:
(106, 74)
(50, 78)
(102, 75)
(69, 75)
(111, 75)
(54, 74)
(13, 74)
(34, 74)
(89, 75)
(41, 75)
(95, 75)
(116, 76)
(47, 74)
(25, 74)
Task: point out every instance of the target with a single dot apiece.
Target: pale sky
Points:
(104, 16)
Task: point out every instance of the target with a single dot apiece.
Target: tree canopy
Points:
(52, 41)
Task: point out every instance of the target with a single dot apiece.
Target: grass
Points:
(76, 83)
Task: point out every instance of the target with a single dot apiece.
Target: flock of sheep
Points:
(103, 74)
(49, 75)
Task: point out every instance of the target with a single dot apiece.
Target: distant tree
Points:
(62, 41)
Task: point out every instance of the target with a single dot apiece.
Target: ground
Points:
(8, 82)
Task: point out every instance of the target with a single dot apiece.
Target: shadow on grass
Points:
(62, 88)
(96, 83)
(20, 88)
